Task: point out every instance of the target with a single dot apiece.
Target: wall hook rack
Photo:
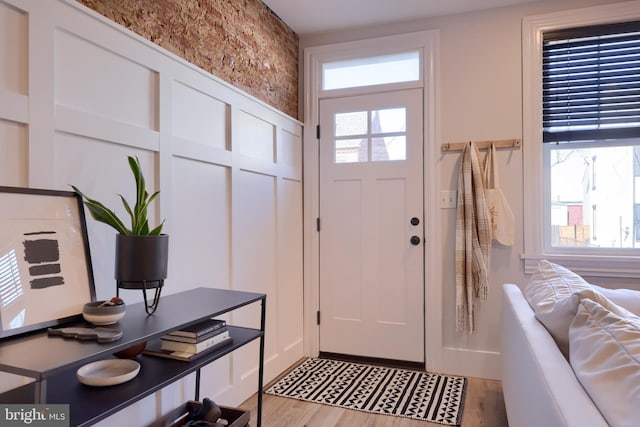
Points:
(501, 143)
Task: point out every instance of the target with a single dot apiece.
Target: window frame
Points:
(535, 165)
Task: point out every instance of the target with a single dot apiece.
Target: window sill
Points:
(589, 265)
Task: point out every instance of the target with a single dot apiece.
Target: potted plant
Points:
(142, 252)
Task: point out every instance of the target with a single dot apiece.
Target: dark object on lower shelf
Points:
(207, 415)
(131, 352)
(233, 417)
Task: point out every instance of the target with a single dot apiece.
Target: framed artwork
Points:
(45, 264)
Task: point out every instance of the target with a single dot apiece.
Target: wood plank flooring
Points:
(483, 406)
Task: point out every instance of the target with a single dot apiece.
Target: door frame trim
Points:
(314, 57)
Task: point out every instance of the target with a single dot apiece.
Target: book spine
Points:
(193, 348)
(185, 356)
(191, 340)
(200, 332)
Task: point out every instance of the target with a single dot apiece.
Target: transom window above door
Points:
(370, 135)
(375, 70)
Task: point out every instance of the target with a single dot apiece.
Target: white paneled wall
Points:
(13, 93)
(79, 93)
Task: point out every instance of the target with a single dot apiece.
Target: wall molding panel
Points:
(79, 93)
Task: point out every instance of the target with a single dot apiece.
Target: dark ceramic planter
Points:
(141, 259)
(141, 263)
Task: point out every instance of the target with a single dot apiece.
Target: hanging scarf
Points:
(473, 239)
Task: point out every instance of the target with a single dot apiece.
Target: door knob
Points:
(415, 240)
(415, 220)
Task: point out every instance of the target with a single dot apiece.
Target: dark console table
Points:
(53, 361)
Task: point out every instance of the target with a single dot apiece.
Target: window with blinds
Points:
(591, 83)
(591, 111)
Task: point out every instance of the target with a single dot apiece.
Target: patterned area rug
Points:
(400, 392)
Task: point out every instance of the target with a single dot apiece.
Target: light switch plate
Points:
(448, 199)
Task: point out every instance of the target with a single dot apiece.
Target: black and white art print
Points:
(45, 266)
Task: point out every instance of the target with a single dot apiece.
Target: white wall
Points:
(480, 98)
(79, 93)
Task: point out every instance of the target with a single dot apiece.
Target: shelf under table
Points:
(89, 405)
(53, 361)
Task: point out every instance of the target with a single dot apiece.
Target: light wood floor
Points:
(483, 406)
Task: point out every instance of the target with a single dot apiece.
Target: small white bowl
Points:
(105, 315)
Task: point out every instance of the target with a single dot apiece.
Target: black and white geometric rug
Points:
(400, 392)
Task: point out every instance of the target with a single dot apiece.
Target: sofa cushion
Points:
(549, 285)
(605, 355)
(626, 298)
(554, 293)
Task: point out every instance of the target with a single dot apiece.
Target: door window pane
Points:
(351, 150)
(352, 123)
(389, 148)
(389, 120)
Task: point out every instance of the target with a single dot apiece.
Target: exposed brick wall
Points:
(240, 41)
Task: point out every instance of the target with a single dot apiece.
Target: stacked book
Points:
(192, 341)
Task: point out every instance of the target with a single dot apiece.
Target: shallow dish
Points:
(105, 315)
(108, 372)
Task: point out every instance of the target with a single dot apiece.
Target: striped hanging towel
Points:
(473, 239)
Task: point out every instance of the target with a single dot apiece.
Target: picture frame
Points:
(46, 274)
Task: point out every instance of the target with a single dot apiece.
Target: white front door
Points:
(371, 226)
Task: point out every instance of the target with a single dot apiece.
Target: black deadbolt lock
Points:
(415, 240)
(415, 220)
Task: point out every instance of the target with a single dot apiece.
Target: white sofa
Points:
(570, 352)
(539, 385)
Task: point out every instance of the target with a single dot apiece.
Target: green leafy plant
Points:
(139, 217)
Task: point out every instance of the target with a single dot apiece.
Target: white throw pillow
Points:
(554, 293)
(626, 298)
(549, 285)
(605, 355)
